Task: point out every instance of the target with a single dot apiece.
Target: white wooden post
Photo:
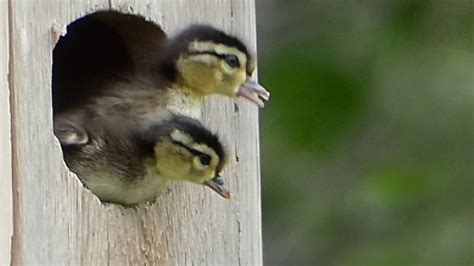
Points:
(54, 220)
(6, 211)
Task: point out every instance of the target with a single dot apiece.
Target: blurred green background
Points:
(367, 142)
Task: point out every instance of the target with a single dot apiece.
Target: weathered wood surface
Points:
(59, 222)
(6, 211)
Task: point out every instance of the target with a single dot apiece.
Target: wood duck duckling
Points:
(129, 166)
(108, 45)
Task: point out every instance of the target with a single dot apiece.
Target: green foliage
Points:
(396, 188)
(313, 94)
(367, 141)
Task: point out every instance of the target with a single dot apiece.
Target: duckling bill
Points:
(129, 166)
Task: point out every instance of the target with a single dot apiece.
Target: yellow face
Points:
(180, 158)
(213, 68)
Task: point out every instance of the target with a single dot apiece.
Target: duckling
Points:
(128, 166)
(176, 74)
(107, 45)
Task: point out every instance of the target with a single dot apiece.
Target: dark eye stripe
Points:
(191, 150)
(230, 59)
(221, 56)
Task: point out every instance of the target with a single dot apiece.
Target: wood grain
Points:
(62, 223)
(6, 211)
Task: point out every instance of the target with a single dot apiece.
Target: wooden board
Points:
(59, 222)
(6, 211)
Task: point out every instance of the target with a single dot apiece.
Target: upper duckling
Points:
(129, 166)
(117, 76)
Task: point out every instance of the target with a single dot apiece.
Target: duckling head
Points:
(184, 150)
(209, 61)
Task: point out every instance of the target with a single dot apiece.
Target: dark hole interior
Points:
(99, 48)
(96, 48)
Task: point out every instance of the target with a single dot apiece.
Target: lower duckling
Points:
(132, 166)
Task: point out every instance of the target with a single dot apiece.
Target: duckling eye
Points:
(232, 61)
(205, 159)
